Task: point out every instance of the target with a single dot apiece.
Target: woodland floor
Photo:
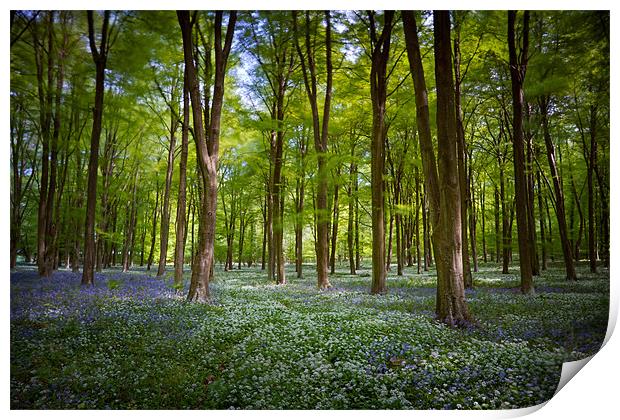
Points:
(133, 342)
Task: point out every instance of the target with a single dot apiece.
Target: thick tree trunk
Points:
(517, 76)
(445, 202)
(451, 307)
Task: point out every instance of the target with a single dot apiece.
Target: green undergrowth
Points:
(134, 342)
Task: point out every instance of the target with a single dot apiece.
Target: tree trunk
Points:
(181, 229)
(543, 103)
(149, 260)
(592, 163)
(517, 77)
(442, 177)
(165, 213)
(299, 206)
(483, 222)
(461, 157)
(498, 237)
(378, 94)
(100, 58)
(207, 145)
(451, 307)
(472, 223)
(241, 236)
(320, 131)
(335, 216)
(264, 211)
(541, 214)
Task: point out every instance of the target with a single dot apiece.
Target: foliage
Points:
(140, 345)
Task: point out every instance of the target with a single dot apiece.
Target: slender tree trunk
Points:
(100, 58)
(419, 204)
(388, 262)
(299, 206)
(483, 221)
(378, 94)
(543, 243)
(165, 213)
(320, 131)
(576, 203)
(264, 211)
(149, 260)
(461, 157)
(517, 76)
(181, 225)
(335, 217)
(591, 194)
(498, 236)
(557, 188)
(358, 259)
(472, 223)
(207, 144)
(241, 237)
(129, 228)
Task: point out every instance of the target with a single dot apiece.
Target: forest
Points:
(306, 209)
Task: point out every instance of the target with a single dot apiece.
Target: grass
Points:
(132, 341)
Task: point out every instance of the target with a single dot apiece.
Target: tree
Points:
(320, 129)
(207, 144)
(441, 175)
(380, 53)
(181, 231)
(518, 67)
(100, 56)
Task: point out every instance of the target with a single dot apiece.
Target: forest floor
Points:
(133, 342)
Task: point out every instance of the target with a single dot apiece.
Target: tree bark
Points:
(207, 145)
(518, 66)
(592, 164)
(335, 217)
(445, 201)
(378, 94)
(451, 307)
(181, 230)
(149, 260)
(100, 58)
(543, 103)
(461, 156)
(165, 213)
(320, 131)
